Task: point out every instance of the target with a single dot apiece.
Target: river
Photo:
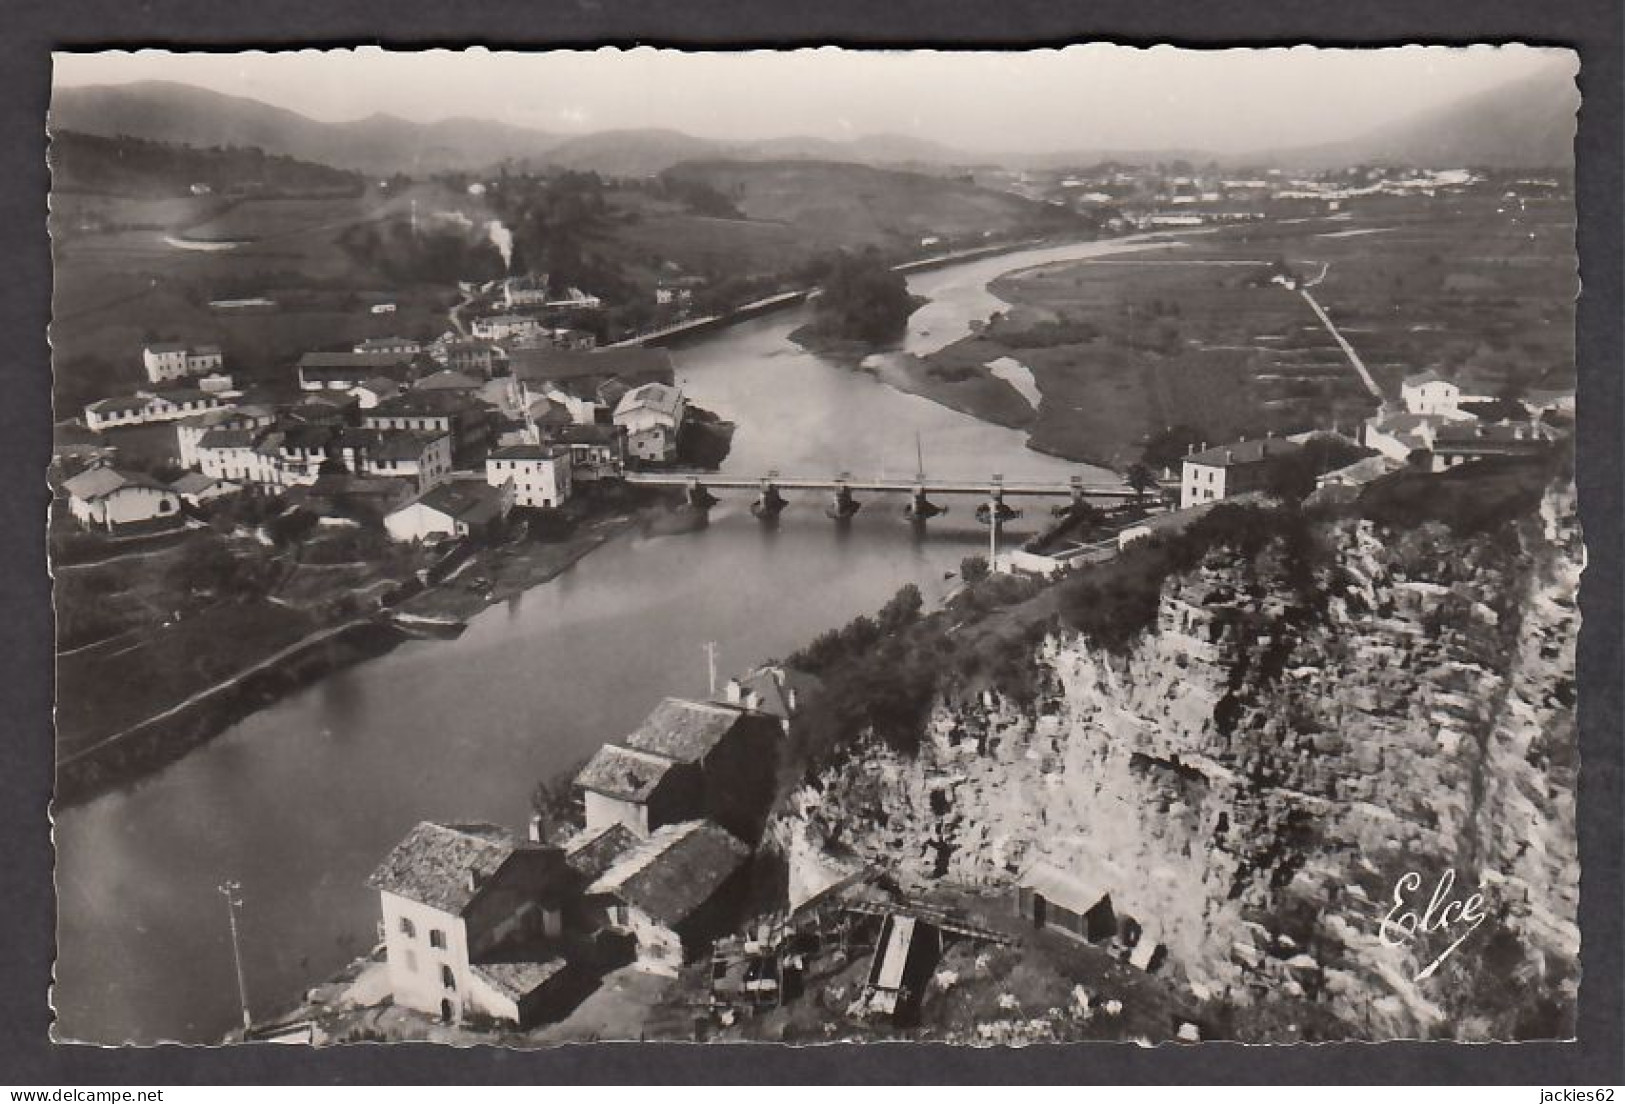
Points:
(299, 801)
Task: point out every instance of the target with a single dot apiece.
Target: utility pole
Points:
(993, 536)
(231, 891)
(711, 664)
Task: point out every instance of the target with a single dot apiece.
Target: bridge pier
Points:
(698, 496)
(842, 506)
(1076, 487)
(921, 509)
(769, 502)
(994, 511)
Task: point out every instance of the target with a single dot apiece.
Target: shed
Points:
(1056, 899)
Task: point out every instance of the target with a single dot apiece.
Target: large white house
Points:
(106, 498)
(1429, 393)
(145, 407)
(170, 361)
(505, 327)
(1230, 470)
(541, 475)
(651, 415)
(468, 914)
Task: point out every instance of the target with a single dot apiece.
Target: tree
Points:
(973, 569)
(902, 610)
(1141, 478)
(863, 299)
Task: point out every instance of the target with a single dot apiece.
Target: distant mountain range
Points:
(1526, 125)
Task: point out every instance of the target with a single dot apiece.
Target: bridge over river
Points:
(844, 487)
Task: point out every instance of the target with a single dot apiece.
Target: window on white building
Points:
(408, 929)
(437, 938)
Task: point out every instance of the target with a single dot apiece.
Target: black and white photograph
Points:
(812, 546)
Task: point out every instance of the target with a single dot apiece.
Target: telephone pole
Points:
(231, 891)
(711, 664)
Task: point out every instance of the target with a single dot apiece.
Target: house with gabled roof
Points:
(105, 498)
(638, 790)
(733, 750)
(652, 415)
(458, 508)
(774, 689)
(1430, 393)
(673, 893)
(469, 914)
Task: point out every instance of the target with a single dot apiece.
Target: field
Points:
(119, 283)
(1196, 334)
(855, 204)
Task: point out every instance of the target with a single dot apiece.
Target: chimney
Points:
(475, 879)
(790, 698)
(534, 832)
(734, 692)
(1229, 455)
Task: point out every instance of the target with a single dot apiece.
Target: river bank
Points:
(503, 572)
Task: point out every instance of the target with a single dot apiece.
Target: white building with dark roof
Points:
(541, 474)
(468, 915)
(1230, 470)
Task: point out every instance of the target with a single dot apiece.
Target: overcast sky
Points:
(1099, 96)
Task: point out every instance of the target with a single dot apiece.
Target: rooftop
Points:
(686, 730)
(448, 379)
(1243, 452)
(518, 980)
(659, 397)
(405, 444)
(321, 361)
(675, 871)
(444, 866)
(472, 501)
(99, 482)
(543, 364)
(192, 483)
(624, 773)
(1061, 887)
(527, 452)
(591, 853)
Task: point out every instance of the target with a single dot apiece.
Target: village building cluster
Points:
(459, 431)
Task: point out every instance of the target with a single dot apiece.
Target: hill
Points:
(1529, 124)
(148, 169)
(166, 111)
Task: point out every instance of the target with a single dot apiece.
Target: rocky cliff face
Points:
(1252, 780)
